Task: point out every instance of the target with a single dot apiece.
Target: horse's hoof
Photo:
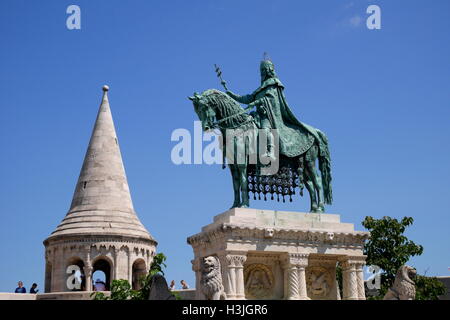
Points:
(316, 210)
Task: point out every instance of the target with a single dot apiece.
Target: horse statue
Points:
(217, 110)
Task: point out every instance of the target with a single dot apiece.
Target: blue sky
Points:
(381, 96)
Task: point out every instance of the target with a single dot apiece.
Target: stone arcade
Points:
(101, 231)
(268, 254)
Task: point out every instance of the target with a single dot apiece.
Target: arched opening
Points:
(48, 277)
(102, 269)
(76, 280)
(138, 271)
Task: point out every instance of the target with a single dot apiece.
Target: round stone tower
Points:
(101, 231)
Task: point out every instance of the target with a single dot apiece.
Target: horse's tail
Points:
(325, 167)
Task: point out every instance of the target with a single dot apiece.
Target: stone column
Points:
(148, 262)
(360, 280)
(116, 264)
(349, 280)
(238, 263)
(88, 270)
(54, 270)
(228, 275)
(296, 278)
(130, 268)
(88, 276)
(293, 285)
(48, 273)
(303, 294)
(61, 282)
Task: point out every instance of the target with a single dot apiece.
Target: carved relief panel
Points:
(319, 282)
(259, 282)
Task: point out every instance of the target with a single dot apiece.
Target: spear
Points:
(219, 75)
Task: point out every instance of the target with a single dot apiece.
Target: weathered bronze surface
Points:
(300, 145)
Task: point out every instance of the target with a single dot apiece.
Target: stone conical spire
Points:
(102, 202)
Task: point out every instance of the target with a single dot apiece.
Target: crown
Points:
(266, 61)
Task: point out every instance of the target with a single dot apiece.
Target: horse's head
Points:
(205, 109)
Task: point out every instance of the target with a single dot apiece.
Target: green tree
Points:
(389, 249)
(429, 288)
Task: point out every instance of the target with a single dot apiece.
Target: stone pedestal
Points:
(267, 254)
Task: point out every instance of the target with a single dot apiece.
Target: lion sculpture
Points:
(403, 288)
(211, 280)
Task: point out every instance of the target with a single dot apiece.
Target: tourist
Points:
(20, 288)
(99, 285)
(184, 285)
(172, 285)
(33, 288)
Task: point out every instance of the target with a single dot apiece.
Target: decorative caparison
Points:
(280, 185)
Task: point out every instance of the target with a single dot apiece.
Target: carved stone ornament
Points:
(211, 280)
(319, 282)
(268, 233)
(404, 287)
(259, 281)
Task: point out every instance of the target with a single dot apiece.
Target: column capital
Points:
(350, 262)
(300, 260)
(236, 259)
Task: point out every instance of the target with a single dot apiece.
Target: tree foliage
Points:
(429, 288)
(389, 249)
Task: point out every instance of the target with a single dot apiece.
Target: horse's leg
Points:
(312, 195)
(305, 181)
(313, 175)
(236, 184)
(244, 187)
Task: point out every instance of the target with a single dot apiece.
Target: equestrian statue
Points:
(282, 139)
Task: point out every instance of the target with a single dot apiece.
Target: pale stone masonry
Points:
(267, 254)
(101, 231)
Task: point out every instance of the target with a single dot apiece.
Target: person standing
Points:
(99, 285)
(184, 285)
(33, 288)
(172, 285)
(20, 288)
